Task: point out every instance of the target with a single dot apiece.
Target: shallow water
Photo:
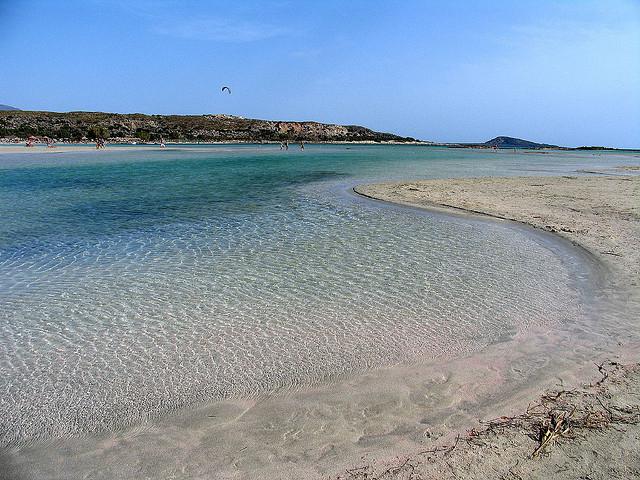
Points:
(133, 284)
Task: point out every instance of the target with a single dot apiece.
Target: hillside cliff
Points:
(76, 126)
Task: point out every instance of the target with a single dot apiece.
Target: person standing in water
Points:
(301, 145)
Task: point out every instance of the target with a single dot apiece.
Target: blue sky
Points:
(564, 72)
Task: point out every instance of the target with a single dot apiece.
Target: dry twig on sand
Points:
(557, 416)
(557, 427)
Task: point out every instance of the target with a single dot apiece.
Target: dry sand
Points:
(590, 431)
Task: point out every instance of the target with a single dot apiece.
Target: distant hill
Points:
(503, 142)
(8, 108)
(511, 142)
(76, 126)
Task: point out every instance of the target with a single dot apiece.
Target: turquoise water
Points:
(137, 283)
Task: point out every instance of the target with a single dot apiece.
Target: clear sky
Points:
(563, 72)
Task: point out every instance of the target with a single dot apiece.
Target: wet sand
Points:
(600, 437)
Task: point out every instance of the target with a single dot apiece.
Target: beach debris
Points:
(557, 426)
(557, 415)
(227, 89)
(561, 412)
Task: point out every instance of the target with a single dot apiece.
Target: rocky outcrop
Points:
(76, 126)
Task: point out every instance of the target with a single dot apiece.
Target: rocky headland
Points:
(16, 126)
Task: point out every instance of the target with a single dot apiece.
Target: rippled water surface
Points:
(134, 283)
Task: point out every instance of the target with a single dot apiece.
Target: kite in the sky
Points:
(227, 89)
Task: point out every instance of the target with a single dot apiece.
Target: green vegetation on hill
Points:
(78, 126)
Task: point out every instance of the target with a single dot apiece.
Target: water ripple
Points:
(103, 328)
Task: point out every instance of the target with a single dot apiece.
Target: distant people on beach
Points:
(301, 145)
(162, 145)
(99, 143)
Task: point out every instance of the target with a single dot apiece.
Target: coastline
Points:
(379, 418)
(13, 148)
(68, 147)
(600, 214)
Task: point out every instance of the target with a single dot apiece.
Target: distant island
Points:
(505, 142)
(127, 128)
(519, 143)
(511, 142)
(8, 108)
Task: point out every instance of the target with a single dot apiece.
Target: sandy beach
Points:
(341, 241)
(477, 416)
(10, 148)
(585, 430)
(599, 213)
(77, 148)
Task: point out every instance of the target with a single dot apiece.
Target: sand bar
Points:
(599, 432)
(600, 213)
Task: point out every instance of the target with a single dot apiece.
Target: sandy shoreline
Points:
(600, 436)
(600, 213)
(75, 147)
(384, 423)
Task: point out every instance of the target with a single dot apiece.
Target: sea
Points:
(135, 282)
